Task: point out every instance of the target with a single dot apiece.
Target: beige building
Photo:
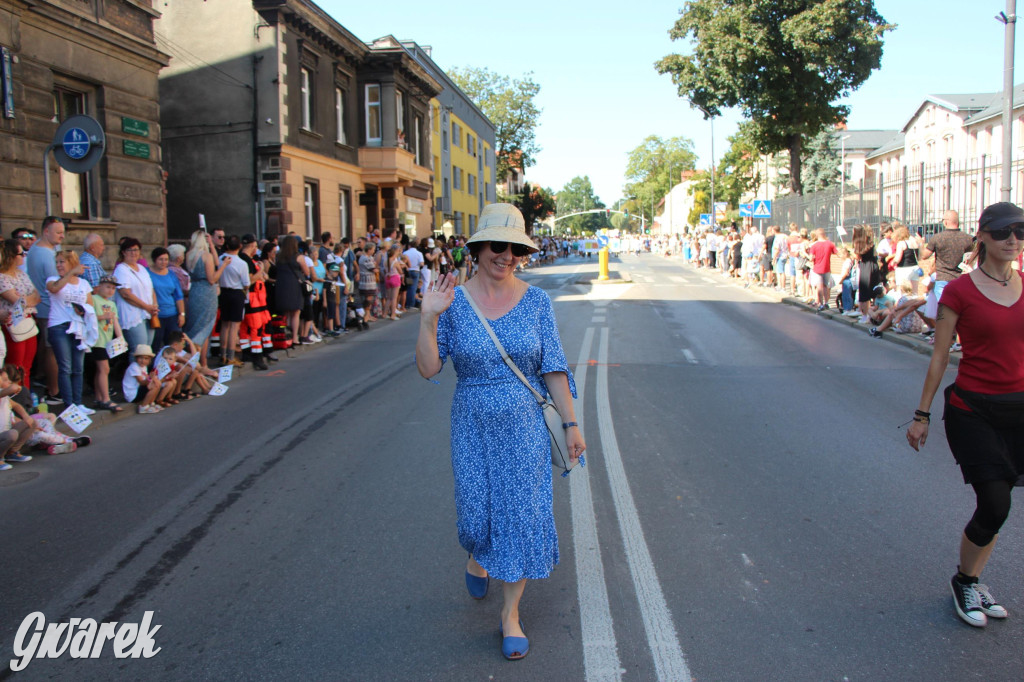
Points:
(94, 57)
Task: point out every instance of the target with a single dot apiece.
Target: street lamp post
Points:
(1009, 18)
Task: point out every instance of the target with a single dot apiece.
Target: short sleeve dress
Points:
(501, 452)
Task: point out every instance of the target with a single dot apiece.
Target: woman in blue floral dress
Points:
(501, 453)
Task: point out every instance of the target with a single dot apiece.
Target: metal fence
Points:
(914, 195)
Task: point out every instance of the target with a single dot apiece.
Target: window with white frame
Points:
(311, 201)
(457, 177)
(373, 116)
(339, 115)
(344, 196)
(306, 93)
(456, 134)
(470, 183)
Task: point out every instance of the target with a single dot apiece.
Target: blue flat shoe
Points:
(514, 648)
(477, 586)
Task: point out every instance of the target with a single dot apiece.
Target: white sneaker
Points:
(85, 410)
(989, 606)
(864, 319)
(852, 313)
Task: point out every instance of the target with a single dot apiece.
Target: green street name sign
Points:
(132, 148)
(134, 126)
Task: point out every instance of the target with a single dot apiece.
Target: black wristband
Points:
(922, 413)
(566, 425)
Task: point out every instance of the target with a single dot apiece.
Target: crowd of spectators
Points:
(888, 279)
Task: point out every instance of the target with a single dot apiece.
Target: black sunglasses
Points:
(518, 250)
(1002, 234)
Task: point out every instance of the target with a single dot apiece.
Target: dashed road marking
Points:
(690, 357)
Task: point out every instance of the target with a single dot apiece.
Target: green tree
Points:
(578, 195)
(509, 103)
(820, 166)
(653, 168)
(535, 203)
(784, 63)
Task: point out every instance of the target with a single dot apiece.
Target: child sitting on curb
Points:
(13, 434)
(46, 434)
(141, 385)
(183, 349)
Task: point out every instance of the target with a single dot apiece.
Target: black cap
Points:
(998, 216)
(248, 238)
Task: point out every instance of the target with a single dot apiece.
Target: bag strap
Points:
(504, 356)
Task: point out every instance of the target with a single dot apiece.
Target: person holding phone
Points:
(501, 451)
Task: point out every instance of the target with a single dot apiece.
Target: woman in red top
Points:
(984, 407)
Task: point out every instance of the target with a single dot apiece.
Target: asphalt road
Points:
(749, 511)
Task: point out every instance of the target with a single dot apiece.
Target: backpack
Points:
(458, 256)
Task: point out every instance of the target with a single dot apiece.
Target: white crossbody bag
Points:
(552, 419)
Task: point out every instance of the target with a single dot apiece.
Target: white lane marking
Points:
(708, 279)
(690, 357)
(677, 278)
(600, 652)
(669, 663)
(598, 319)
(746, 560)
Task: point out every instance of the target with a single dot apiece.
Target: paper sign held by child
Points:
(116, 346)
(225, 374)
(218, 389)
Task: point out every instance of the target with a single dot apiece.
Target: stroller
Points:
(356, 316)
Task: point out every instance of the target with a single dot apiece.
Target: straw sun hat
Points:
(502, 223)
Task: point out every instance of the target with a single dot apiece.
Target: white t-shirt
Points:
(130, 383)
(60, 302)
(415, 258)
(141, 286)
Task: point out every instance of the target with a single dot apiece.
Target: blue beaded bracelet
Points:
(566, 425)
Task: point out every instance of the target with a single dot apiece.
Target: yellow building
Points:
(462, 149)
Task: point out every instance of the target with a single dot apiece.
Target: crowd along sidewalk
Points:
(103, 417)
(911, 341)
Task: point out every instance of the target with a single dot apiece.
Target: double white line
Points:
(600, 652)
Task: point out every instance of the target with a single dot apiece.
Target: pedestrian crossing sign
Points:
(762, 209)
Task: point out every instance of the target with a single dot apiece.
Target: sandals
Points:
(110, 405)
(184, 395)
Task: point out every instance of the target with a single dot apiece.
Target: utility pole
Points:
(1009, 19)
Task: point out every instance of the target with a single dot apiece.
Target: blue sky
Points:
(601, 95)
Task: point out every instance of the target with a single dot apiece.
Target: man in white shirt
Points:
(234, 284)
(415, 258)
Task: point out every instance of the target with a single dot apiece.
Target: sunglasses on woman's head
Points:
(1002, 234)
(518, 250)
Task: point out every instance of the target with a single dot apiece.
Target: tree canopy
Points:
(535, 203)
(578, 195)
(783, 63)
(509, 103)
(653, 168)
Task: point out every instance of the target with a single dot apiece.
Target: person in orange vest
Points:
(252, 336)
